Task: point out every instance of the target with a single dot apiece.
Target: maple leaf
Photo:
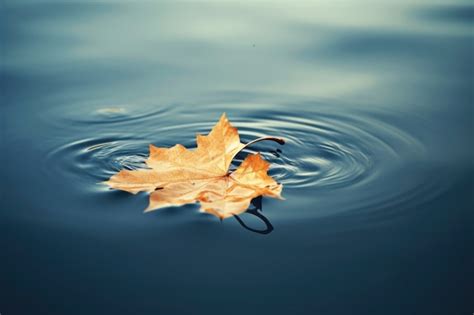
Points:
(178, 176)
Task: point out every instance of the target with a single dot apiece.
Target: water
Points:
(374, 101)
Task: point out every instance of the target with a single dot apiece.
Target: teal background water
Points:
(374, 99)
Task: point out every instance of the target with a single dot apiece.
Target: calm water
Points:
(375, 102)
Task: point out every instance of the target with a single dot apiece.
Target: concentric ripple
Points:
(340, 159)
(92, 160)
(96, 112)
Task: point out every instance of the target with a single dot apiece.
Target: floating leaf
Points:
(178, 176)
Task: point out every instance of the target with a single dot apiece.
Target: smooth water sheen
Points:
(374, 101)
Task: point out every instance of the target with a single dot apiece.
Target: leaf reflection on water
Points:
(255, 210)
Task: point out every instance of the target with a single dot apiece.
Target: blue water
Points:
(374, 100)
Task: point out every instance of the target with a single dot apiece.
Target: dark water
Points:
(375, 102)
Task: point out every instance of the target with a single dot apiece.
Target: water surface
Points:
(375, 103)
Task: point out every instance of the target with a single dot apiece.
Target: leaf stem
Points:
(276, 139)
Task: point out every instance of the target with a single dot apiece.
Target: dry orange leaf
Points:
(178, 176)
